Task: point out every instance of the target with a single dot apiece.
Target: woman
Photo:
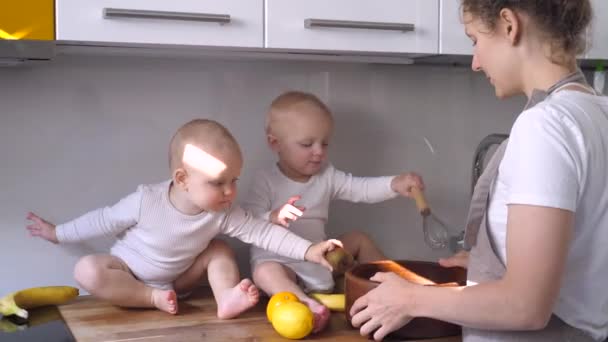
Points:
(539, 217)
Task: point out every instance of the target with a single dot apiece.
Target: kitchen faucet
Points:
(480, 154)
(457, 242)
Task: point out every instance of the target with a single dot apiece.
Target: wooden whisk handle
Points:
(421, 203)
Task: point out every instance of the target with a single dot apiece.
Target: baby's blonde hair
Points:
(287, 102)
(205, 134)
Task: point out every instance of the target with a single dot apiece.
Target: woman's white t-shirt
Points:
(557, 156)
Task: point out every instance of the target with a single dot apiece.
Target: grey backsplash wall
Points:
(80, 132)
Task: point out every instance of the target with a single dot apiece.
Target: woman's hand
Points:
(287, 213)
(460, 259)
(385, 308)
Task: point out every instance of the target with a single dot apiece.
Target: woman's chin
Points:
(500, 94)
(503, 93)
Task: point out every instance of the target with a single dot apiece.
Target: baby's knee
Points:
(265, 269)
(269, 272)
(87, 272)
(220, 247)
(358, 237)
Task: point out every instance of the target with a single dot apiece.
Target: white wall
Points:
(81, 132)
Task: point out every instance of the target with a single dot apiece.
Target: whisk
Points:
(435, 230)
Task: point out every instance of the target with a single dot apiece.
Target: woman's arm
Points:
(537, 246)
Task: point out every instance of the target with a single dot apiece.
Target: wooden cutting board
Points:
(90, 319)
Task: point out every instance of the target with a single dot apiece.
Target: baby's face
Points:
(212, 179)
(302, 147)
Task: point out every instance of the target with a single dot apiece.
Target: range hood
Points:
(26, 52)
(23, 52)
(18, 52)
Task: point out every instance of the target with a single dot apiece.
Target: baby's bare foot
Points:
(165, 300)
(320, 312)
(238, 299)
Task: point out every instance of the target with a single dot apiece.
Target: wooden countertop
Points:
(90, 319)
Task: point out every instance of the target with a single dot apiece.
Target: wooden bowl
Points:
(357, 284)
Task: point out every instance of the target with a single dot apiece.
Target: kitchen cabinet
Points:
(452, 39)
(599, 31)
(233, 23)
(389, 26)
(32, 19)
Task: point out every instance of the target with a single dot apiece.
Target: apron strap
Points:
(585, 88)
(479, 201)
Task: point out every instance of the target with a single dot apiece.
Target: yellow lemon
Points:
(277, 299)
(292, 320)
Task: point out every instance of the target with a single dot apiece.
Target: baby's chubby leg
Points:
(232, 296)
(109, 278)
(272, 277)
(361, 246)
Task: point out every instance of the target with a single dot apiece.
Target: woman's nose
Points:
(475, 63)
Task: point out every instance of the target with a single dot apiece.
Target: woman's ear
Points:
(510, 25)
(273, 142)
(180, 178)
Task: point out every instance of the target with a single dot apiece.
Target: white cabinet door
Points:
(188, 22)
(452, 39)
(353, 25)
(599, 30)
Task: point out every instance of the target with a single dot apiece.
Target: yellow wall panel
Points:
(27, 19)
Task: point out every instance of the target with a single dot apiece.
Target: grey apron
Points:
(484, 263)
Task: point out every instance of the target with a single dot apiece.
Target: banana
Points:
(335, 302)
(10, 327)
(16, 303)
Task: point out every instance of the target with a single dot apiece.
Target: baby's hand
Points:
(316, 252)
(289, 212)
(41, 228)
(403, 183)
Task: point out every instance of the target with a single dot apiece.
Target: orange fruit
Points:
(277, 299)
(292, 320)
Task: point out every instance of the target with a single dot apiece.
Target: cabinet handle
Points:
(113, 13)
(369, 25)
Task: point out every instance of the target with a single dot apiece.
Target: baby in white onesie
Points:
(165, 233)
(299, 128)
